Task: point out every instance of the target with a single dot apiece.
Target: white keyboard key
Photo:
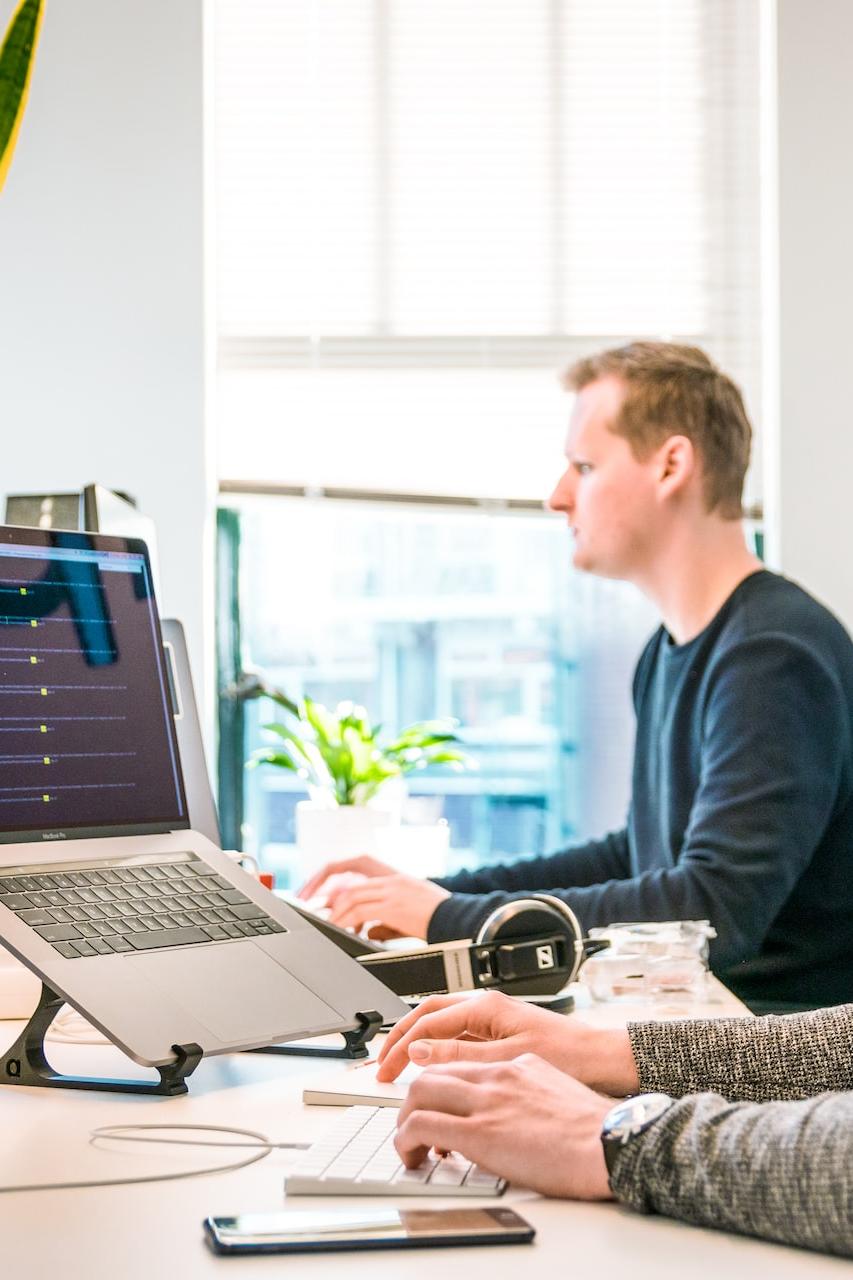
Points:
(384, 1165)
(421, 1174)
(480, 1178)
(450, 1172)
(345, 1167)
(380, 1171)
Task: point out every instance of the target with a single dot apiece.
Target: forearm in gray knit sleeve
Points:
(795, 1055)
(779, 1170)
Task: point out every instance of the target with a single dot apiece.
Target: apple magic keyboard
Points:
(357, 1157)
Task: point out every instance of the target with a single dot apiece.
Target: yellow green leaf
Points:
(16, 65)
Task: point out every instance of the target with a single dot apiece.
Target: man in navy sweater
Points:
(742, 792)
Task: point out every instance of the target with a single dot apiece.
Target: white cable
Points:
(70, 1027)
(125, 1133)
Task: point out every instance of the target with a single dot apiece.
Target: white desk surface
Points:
(151, 1231)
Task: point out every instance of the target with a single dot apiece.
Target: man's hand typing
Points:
(363, 891)
(521, 1120)
(491, 1027)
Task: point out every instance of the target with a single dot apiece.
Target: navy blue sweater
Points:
(741, 806)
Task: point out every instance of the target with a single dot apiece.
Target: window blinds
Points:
(424, 209)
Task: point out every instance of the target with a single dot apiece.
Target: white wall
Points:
(102, 364)
(810, 470)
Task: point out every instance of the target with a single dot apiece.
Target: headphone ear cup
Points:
(540, 915)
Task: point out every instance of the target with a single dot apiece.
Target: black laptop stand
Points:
(354, 1046)
(26, 1063)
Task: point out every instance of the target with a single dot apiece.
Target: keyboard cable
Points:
(259, 1143)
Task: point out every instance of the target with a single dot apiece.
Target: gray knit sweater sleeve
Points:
(794, 1055)
(754, 1149)
(779, 1170)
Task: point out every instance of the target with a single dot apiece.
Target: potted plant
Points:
(353, 777)
(16, 64)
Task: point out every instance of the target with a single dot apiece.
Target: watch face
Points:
(630, 1118)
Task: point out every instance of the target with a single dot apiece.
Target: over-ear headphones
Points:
(530, 946)
(535, 945)
(544, 935)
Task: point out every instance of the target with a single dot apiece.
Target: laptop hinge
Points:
(26, 1063)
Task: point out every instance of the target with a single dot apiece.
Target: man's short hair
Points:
(672, 389)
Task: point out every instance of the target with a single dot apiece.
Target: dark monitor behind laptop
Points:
(94, 508)
(104, 510)
(44, 510)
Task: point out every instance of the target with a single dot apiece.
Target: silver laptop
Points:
(106, 892)
(201, 806)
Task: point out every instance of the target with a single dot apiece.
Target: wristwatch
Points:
(628, 1119)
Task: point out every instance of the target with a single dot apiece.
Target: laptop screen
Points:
(87, 738)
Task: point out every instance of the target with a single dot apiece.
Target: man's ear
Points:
(676, 465)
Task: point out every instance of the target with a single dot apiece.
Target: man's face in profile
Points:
(606, 494)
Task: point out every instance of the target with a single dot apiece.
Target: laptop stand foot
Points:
(25, 1063)
(354, 1046)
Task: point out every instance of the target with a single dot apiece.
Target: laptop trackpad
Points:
(244, 996)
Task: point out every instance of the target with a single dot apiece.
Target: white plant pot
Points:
(327, 832)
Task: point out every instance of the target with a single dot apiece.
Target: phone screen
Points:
(296, 1231)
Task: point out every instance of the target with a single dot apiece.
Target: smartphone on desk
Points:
(295, 1231)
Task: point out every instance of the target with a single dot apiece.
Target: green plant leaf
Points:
(417, 742)
(459, 759)
(361, 751)
(306, 759)
(16, 64)
(324, 723)
(321, 773)
(283, 731)
(425, 733)
(368, 788)
(353, 717)
(266, 755)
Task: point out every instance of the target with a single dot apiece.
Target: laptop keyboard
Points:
(103, 910)
(357, 1157)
